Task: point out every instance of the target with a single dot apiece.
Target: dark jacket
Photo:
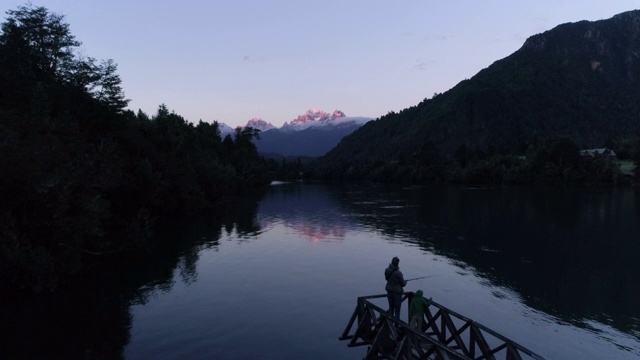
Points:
(395, 280)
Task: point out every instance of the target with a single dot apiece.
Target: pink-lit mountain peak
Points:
(312, 118)
(258, 123)
(315, 116)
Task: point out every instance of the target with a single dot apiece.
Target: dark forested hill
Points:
(82, 179)
(308, 142)
(578, 81)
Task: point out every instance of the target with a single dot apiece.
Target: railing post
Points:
(409, 300)
(345, 333)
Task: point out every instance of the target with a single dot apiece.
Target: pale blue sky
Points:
(233, 60)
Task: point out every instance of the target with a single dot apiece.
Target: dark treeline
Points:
(84, 178)
(289, 168)
(550, 162)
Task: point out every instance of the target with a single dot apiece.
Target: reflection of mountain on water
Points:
(308, 210)
(315, 232)
(571, 253)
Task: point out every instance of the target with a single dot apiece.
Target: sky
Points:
(234, 60)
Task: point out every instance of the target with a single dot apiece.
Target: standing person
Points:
(395, 284)
(416, 310)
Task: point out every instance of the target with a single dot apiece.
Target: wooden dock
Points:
(445, 334)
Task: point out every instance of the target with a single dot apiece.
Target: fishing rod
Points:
(422, 277)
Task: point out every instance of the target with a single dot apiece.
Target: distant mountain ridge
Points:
(311, 134)
(579, 80)
(313, 117)
(309, 142)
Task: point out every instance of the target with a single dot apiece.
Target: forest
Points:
(82, 178)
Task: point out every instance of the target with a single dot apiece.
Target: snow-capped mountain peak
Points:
(225, 130)
(313, 117)
(258, 123)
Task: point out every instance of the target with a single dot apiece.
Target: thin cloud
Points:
(251, 59)
(422, 64)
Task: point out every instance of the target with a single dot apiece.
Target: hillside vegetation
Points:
(576, 86)
(82, 179)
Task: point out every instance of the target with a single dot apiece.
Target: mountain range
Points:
(311, 134)
(579, 81)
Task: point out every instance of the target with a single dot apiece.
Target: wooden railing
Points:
(445, 334)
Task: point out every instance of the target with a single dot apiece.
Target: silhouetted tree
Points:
(564, 151)
(461, 155)
(80, 177)
(40, 48)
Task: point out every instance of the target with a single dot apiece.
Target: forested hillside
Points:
(307, 142)
(81, 177)
(576, 86)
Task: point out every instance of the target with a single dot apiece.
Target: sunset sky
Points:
(234, 60)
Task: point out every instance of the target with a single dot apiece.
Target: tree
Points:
(245, 135)
(461, 155)
(107, 87)
(565, 151)
(246, 151)
(83, 74)
(49, 40)
(39, 47)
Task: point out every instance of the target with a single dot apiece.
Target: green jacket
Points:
(418, 304)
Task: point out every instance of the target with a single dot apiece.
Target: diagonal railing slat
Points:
(444, 335)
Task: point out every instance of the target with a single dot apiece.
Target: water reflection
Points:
(310, 211)
(571, 253)
(89, 317)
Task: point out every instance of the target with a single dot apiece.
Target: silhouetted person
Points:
(395, 284)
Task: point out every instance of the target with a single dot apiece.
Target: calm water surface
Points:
(553, 269)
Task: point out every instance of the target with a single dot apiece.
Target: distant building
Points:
(603, 152)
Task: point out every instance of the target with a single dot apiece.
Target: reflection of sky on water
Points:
(320, 214)
(306, 229)
(311, 214)
(567, 253)
(554, 270)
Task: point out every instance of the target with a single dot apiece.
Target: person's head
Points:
(419, 293)
(395, 261)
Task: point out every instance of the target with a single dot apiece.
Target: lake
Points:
(554, 269)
